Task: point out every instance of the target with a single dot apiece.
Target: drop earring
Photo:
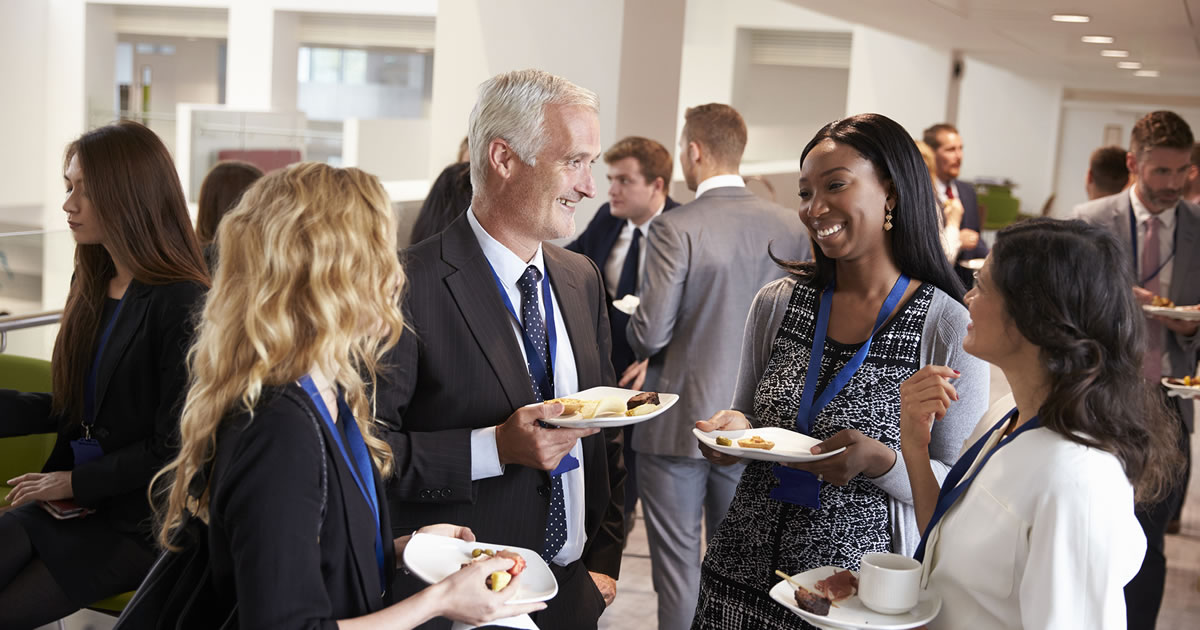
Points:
(887, 220)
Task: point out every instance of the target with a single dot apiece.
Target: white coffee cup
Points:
(889, 583)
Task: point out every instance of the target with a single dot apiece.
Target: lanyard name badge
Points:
(952, 489)
(358, 459)
(801, 487)
(87, 448)
(1133, 242)
(540, 373)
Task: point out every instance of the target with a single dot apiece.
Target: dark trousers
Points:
(631, 493)
(1143, 594)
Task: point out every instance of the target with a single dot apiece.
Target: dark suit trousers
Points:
(1143, 594)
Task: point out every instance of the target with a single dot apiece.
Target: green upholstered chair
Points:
(20, 455)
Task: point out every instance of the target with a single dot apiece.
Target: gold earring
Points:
(887, 220)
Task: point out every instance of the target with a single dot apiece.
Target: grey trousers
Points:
(676, 493)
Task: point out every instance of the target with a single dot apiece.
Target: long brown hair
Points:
(135, 192)
(1066, 287)
(220, 192)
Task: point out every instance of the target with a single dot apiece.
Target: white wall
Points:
(22, 120)
(904, 80)
(391, 149)
(1083, 126)
(1009, 127)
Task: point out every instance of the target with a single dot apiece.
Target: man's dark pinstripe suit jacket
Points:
(460, 368)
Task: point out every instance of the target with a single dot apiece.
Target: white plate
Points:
(1181, 391)
(627, 304)
(665, 402)
(851, 613)
(790, 446)
(974, 264)
(1187, 314)
(434, 558)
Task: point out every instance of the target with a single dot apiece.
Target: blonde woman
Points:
(304, 303)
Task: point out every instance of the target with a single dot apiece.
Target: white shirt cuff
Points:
(485, 455)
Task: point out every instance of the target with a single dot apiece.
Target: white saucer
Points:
(851, 613)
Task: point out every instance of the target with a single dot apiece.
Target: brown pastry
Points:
(644, 398)
(810, 601)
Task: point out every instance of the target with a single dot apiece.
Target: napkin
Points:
(525, 622)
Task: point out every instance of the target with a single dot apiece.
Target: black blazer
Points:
(596, 242)
(267, 542)
(140, 387)
(461, 368)
(970, 220)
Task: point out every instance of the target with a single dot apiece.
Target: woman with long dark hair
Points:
(1035, 527)
(824, 354)
(118, 376)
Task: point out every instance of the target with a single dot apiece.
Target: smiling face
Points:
(81, 214)
(1161, 176)
(991, 334)
(843, 201)
(547, 192)
(948, 156)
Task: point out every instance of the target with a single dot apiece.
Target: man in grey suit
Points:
(705, 261)
(1162, 234)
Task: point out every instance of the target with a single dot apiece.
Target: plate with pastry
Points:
(1186, 387)
(433, 558)
(827, 597)
(1163, 307)
(767, 444)
(607, 407)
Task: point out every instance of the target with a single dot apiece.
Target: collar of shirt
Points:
(940, 189)
(720, 181)
(1143, 214)
(630, 225)
(508, 266)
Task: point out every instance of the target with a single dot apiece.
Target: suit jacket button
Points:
(424, 494)
(543, 491)
(445, 493)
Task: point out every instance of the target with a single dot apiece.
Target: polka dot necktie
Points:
(535, 331)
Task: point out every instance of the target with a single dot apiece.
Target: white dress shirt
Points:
(1166, 243)
(1045, 537)
(485, 458)
(720, 181)
(616, 256)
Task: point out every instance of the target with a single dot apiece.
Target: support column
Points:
(260, 67)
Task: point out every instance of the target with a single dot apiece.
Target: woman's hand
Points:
(924, 397)
(724, 420)
(862, 455)
(30, 487)
(465, 597)
(953, 212)
(460, 532)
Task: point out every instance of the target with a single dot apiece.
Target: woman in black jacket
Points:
(278, 452)
(118, 377)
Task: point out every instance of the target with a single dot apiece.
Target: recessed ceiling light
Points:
(1072, 18)
(1129, 65)
(1146, 73)
(1114, 53)
(1096, 39)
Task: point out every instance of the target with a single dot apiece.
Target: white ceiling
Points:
(1018, 34)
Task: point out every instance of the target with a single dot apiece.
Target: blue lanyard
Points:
(952, 489)
(89, 388)
(360, 466)
(1133, 242)
(541, 373)
(808, 407)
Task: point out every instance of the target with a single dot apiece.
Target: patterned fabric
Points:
(759, 534)
(535, 330)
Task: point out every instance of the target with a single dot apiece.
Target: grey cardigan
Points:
(941, 344)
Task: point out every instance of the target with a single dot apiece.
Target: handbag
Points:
(178, 593)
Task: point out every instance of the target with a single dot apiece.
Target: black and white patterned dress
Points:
(760, 534)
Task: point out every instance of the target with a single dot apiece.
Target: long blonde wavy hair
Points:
(307, 275)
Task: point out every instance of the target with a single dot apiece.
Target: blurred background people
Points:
(826, 359)
(448, 198)
(1157, 226)
(119, 376)
(220, 192)
(1107, 173)
(947, 148)
(1192, 195)
(951, 209)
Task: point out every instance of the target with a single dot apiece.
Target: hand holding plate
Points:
(862, 455)
(724, 420)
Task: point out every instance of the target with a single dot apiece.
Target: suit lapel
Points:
(472, 286)
(610, 240)
(129, 320)
(1187, 241)
(575, 313)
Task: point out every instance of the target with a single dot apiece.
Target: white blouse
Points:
(1045, 537)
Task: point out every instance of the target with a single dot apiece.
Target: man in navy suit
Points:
(947, 148)
(639, 170)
